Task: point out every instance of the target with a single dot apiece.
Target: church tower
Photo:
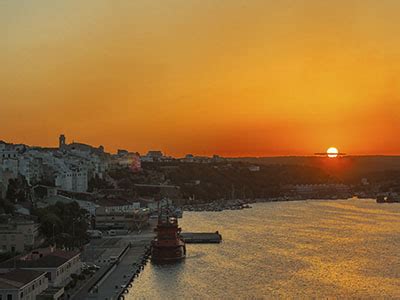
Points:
(61, 141)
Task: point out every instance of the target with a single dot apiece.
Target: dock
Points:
(201, 237)
(116, 276)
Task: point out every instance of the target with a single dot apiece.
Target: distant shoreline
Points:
(244, 204)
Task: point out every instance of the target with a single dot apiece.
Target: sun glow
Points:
(332, 152)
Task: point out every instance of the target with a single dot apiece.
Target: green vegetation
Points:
(6, 207)
(97, 183)
(226, 181)
(209, 182)
(16, 190)
(64, 224)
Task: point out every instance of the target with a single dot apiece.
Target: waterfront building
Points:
(129, 217)
(21, 284)
(58, 264)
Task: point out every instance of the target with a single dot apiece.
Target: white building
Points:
(22, 284)
(122, 217)
(31, 168)
(10, 166)
(63, 180)
(128, 160)
(254, 168)
(69, 167)
(79, 180)
(153, 155)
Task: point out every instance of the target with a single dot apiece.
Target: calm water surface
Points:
(342, 248)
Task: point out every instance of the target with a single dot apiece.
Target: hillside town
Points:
(68, 213)
(54, 201)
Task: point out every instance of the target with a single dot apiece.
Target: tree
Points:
(6, 206)
(66, 222)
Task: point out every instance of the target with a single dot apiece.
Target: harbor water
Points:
(301, 249)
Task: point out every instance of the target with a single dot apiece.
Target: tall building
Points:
(61, 141)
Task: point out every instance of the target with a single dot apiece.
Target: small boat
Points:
(391, 198)
(381, 199)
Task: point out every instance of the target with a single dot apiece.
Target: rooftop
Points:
(41, 258)
(18, 278)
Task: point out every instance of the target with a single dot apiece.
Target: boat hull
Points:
(168, 254)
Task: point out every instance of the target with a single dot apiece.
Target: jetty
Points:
(201, 237)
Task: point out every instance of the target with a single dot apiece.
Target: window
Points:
(9, 297)
(48, 275)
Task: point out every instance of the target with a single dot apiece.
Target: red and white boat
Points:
(167, 245)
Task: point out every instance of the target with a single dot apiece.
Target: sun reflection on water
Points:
(346, 248)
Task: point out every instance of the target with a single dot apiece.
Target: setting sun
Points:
(332, 152)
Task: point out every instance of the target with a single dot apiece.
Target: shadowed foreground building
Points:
(58, 265)
(21, 284)
(18, 235)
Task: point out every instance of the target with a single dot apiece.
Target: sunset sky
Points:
(235, 78)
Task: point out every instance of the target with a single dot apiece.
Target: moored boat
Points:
(167, 245)
(391, 198)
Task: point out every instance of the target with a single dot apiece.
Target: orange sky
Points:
(230, 77)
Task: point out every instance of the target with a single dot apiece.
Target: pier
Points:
(201, 237)
(131, 253)
(117, 275)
